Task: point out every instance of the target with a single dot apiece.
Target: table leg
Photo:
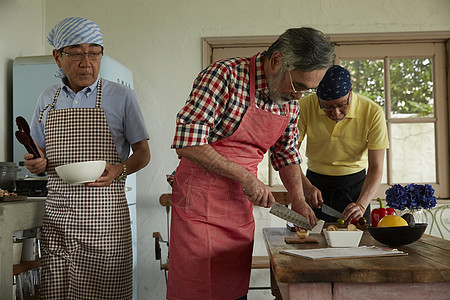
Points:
(274, 286)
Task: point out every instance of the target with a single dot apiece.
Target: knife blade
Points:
(289, 215)
(328, 210)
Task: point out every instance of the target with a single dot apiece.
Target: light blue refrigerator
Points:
(33, 74)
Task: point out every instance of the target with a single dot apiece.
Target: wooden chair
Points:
(258, 262)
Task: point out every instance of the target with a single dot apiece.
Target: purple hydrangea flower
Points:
(412, 196)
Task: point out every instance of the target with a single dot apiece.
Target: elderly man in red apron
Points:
(86, 237)
(238, 109)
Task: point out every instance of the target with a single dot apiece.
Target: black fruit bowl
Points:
(398, 236)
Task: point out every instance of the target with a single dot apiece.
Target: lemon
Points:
(392, 221)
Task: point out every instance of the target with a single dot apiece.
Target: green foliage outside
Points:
(411, 84)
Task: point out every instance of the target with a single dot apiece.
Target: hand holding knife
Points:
(264, 198)
(328, 210)
(287, 214)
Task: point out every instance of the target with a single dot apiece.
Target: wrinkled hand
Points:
(312, 195)
(110, 173)
(258, 193)
(353, 211)
(305, 210)
(36, 165)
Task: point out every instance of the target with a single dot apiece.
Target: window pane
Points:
(411, 88)
(384, 176)
(263, 169)
(367, 78)
(413, 158)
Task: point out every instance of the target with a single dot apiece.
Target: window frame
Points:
(418, 42)
(433, 50)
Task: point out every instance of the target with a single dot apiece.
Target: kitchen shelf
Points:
(15, 216)
(25, 266)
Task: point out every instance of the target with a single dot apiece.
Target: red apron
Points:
(212, 228)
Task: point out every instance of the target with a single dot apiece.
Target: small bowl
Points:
(82, 172)
(318, 228)
(398, 236)
(343, 238)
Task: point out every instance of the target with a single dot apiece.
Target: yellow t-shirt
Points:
(337, 149)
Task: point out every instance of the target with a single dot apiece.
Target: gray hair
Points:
(306, 49)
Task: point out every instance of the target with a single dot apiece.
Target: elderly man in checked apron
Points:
(86, 237)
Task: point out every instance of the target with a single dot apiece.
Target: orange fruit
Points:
(392, 221)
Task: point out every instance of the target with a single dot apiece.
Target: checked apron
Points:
(86, 236)
(212, 228)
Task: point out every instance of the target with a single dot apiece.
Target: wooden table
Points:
(423, 274)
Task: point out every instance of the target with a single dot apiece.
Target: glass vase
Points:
(418, 214)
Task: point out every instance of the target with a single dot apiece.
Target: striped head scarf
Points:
(335, 84)
(74, 31)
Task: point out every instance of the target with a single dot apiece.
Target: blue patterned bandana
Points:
(335, 84)
(74, 31)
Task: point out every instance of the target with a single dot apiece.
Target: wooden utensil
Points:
(24, 137)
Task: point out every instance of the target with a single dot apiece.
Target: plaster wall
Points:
(160, 41)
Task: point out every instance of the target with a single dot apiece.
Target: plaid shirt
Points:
(218, 101)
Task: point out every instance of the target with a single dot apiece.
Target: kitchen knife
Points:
(328, 210)
(289, 215)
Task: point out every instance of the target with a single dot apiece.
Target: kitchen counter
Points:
(14, 216)
(423, 273)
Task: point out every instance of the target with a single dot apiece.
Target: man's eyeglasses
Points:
(339, 107)
(302, 92)
(78, 56)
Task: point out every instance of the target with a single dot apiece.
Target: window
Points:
(405, 74)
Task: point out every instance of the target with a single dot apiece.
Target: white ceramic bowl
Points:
(343, 238)
(83, 172)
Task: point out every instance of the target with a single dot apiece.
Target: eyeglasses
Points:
(78, 56)
(339, 107)
(303, 92)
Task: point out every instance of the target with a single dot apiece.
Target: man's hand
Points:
(305, 210)
(353, 211)
(110, 173)
(36, 165)
(291, 176)
(258, 193)
(312, 195)
(207, 157)
(138, 160)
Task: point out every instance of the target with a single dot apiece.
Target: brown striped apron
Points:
(86, 236)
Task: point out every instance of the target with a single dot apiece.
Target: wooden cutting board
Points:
(296, 240)
(12, 198)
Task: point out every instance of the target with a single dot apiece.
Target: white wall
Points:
(160, 41)
(21, 25)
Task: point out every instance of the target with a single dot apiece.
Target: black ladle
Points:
(24, 137)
